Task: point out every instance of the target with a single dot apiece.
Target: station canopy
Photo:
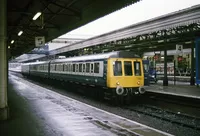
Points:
(55, 18)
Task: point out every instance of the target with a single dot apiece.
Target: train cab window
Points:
(117, 68)
(83, 67)
(128, 68)
(96, 67)
(74, 68)
(80, 67)
(92, 68)
(87, 67)
(137, 68)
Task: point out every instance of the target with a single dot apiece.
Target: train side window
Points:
(137, 68)
(80, 67)
(73, 68)
(83, 67)
(92, 67)
(96, 67)
(57, 67)
(69, 67)
(117, 68)
(87, 67)
(61, 67)
(128, 68)
(52, 67)
(65, 67)
(76, 67)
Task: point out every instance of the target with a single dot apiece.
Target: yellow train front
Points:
(125, 76)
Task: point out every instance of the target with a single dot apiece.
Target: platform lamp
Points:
(36, 16)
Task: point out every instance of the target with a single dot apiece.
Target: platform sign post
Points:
(197, 50)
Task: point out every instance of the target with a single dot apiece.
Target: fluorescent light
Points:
(188, 42)
(162, 57)
(8, 47)
(20, 33)
(160, 41)
(37, 15)
(12, 41)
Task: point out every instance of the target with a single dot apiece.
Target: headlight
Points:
(117, 83)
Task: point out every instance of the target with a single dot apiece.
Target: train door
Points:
(92, 72)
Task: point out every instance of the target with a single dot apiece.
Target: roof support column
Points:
(197, 49)
(3, 62)
(165, 79)
(192, 81)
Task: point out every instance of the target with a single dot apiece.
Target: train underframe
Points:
(115, 96)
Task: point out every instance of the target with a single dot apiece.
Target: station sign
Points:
(39, 41)
(179, 49)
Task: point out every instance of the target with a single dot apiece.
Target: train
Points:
(118, 73)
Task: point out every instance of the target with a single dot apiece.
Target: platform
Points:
(179, 89)
(35, 111)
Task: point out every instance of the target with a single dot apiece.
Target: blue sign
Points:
(197, 49)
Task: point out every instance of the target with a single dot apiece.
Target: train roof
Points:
(116, 54)
(35, 63)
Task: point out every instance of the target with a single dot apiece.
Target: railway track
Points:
(165, 115)
(178, 100)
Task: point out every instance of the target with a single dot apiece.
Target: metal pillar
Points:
(197, 49)
(192, 81)
(165, 79)
(3, 62)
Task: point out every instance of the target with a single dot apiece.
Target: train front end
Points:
(125, 76)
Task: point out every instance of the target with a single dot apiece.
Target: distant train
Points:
(119, 73)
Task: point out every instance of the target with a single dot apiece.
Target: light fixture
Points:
(37, 15)
(8, 47)
(12, 41)
(20, 33)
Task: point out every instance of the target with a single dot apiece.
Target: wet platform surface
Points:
(35, 111)
(179, 89)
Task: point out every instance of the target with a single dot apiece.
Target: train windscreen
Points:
(128, 68)
(117, 68)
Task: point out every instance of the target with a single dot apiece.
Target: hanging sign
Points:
(179, 49)
(39, 41)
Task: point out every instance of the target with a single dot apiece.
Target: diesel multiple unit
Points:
(120, 73)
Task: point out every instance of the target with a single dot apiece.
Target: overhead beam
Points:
(67, 7)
